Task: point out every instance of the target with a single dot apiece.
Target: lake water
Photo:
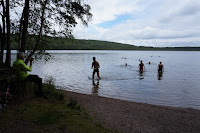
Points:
(178, 86)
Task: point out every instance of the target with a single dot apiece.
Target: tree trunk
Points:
(20, 31)
(8, 54)
(40, 33)
(1, 54)
(3, 30)
(25, 27)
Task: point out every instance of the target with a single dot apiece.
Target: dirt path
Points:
(132, 117)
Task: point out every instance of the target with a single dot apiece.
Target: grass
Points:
(51, 113)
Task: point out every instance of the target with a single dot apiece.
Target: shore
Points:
(133, 117)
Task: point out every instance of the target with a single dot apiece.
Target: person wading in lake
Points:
(96, 66)
(160, 67)
(21, 71)
(141, 66)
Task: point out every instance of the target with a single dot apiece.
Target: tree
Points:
(2, 32)
(63, 12)
(8, 53)
(40, 31)
(43, 17)
(25, 16)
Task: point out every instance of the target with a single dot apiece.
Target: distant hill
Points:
(56, 43)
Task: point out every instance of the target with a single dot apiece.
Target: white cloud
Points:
(104, 10)
(152, 22)
(187, 10)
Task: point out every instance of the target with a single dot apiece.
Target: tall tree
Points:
(2, 49)
(3, 14)
(61, 14)
(40, 31)
(25, 16)
(43, 17)
(20, 31)
(8, 53)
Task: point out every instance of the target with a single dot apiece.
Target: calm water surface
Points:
(178, 86)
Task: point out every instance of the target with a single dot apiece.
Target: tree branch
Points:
(40, 33)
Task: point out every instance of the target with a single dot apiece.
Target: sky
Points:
(158, 23)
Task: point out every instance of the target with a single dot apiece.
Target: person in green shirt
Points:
(21, 71)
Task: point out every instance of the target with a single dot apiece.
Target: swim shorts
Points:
(96, 70)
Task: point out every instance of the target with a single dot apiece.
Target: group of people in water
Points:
(160, 67)
(96, 66)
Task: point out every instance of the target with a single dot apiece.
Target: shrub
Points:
(50, 91)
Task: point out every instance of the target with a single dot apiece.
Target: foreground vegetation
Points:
(58, 43)
(50, 113)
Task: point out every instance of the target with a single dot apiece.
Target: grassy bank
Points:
(50, 113)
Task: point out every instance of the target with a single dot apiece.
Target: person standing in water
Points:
(141, 66)
(160, 67)
(96, 66)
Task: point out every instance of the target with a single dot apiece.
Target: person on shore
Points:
(141, 66)
(96, 66)
(21, 71)
(160, 67)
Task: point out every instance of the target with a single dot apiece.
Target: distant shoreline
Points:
(118, 50)
(59, 43)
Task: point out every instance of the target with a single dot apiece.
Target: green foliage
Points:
(73, 104)
(57, 17)
(50, 91)
(42, 113)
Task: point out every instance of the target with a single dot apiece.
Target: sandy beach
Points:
(132, 117)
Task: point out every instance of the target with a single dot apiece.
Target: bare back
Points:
(95, 64)
(160, 66)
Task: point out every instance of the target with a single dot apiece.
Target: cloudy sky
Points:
(144, 22)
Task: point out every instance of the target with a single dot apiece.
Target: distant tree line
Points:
(62, 43)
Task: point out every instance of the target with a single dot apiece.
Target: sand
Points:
(133, 117)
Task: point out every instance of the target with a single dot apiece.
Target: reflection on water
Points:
(141, 75)
(160, 75)
(95, 88)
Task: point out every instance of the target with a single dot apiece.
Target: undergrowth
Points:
(52, 112)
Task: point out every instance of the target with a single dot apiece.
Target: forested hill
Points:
(55, 43)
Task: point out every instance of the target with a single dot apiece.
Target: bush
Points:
(50, 91)
(73, 104)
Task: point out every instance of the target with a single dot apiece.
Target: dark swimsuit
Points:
(96, 70)
(141, 66)
(160, 69)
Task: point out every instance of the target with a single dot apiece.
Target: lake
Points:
(178, 86)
